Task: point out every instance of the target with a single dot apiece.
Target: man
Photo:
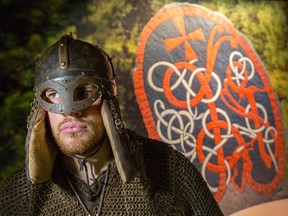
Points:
(80, 158)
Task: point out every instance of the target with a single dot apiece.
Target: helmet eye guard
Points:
(68, 94)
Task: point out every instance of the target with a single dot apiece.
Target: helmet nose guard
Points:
(65, 66)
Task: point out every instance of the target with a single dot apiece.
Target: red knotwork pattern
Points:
(203, 89)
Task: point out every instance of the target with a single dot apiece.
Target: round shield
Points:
(202, 88)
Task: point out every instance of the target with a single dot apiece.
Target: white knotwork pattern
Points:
(177, 126)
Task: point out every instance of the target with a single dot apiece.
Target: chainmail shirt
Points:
(166, 184)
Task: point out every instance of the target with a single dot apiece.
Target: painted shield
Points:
(203, 89)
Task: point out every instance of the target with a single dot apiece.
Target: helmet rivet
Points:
(65, 89)
(63, 64)
(83, 73)
(61, 44)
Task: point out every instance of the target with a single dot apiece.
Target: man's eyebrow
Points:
(50, 90)
(88, 86)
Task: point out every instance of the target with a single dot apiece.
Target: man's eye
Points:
(52, 96)
(83, 92)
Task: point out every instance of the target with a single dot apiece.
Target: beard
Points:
(79, 143)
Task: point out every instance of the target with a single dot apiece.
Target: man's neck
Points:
(95, 164)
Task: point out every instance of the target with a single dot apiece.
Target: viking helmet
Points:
(60, 73)
(64, 68)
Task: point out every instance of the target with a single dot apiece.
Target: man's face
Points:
(80, 132)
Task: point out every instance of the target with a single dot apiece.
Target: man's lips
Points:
(72, 127)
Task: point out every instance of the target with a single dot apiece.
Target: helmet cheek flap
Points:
(124, 165)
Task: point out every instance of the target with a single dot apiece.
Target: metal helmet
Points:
(65, 68)
(61, 73)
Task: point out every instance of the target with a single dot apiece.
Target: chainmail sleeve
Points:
(15, 195)
(172, 182)
(193, 189)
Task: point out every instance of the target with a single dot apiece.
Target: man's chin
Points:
(70, 150)
(73, 145)
(76, 143)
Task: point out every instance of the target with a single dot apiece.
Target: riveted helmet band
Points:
(65, 70)
(72, 94)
